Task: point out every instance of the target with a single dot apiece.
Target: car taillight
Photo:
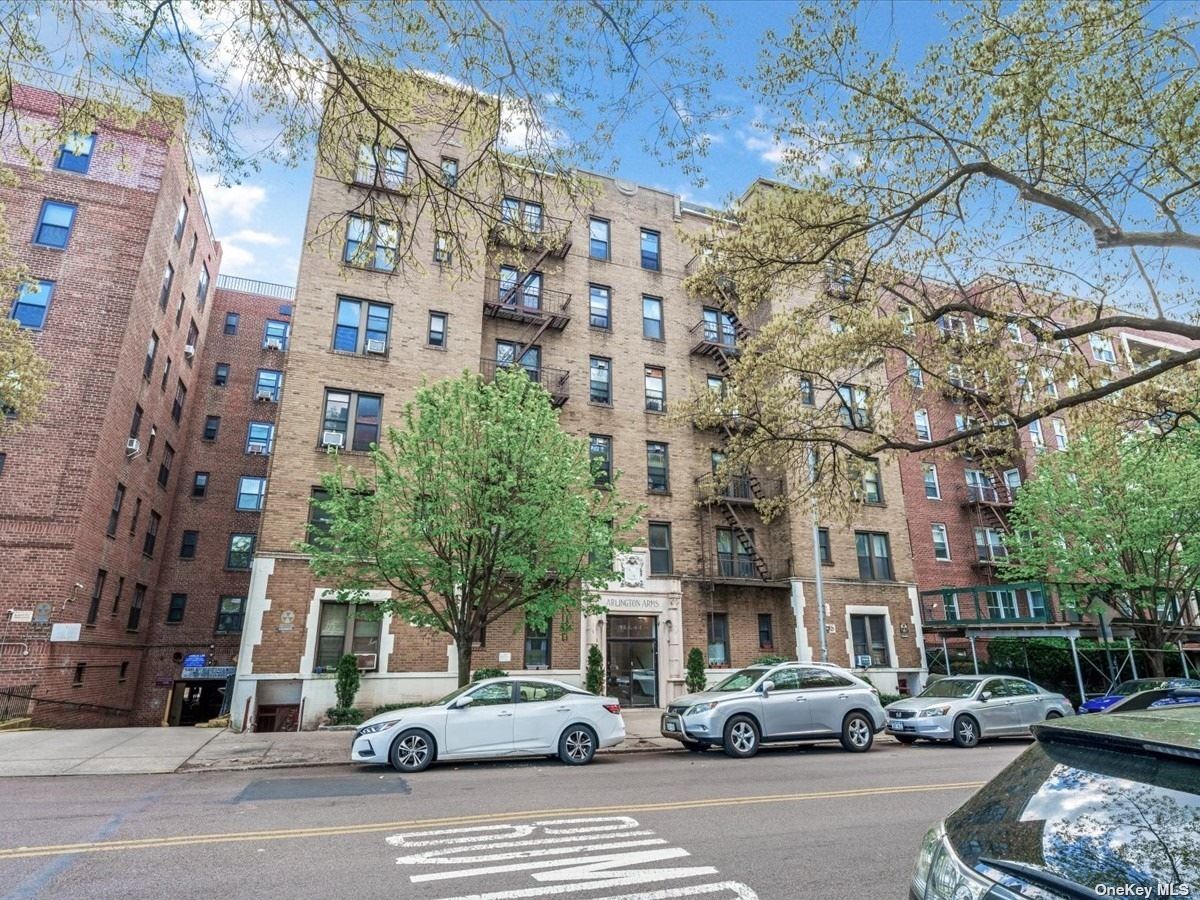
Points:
(614, 708)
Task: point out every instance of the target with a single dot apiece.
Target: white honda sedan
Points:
(491, 718)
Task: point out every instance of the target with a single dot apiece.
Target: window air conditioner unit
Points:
(258, 448)
(133, 447)
(273, 344)
(863, 662)
(264, 395)
(375, 345)
(333, 439)
(189, 350)
(367, 662)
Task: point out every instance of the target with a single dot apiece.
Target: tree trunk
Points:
(464, 661)
(1152, 640)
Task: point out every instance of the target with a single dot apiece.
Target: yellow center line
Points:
(189, 840)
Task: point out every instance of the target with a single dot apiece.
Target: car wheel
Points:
(695, 746)
(1053, 714)
(966, 732)
(412, 751)
(741, 737)
(577, 745)
(905, 738)
(857, 733)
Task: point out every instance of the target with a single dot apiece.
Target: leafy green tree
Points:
(481, 505)
(695, 680)
(24, 377)
(347, 680)
(595, 670)
(1114, 521)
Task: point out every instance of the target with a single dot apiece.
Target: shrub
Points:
(885, 699)
(347, 682)
(770, 660)
(595, 670)
(388, 707)
(344, 715)
(696, 680)
(485, 672)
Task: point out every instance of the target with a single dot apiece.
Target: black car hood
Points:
(1091, 815)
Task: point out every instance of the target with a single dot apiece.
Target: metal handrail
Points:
(551, 301)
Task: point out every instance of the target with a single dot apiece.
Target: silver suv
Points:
(788, 702)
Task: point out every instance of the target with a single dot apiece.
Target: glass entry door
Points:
(633, 659)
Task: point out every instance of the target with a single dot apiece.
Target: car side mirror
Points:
(985, 696)
(463, 702)
(766, 687)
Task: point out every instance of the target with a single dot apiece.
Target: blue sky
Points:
(261, 220)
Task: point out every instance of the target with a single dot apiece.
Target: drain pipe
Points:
(822, 629)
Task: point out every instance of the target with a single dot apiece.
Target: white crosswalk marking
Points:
(586, 856)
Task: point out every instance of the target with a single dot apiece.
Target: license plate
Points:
(671, 726)
(900, 726)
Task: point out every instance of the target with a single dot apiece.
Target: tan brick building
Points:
(599, 301)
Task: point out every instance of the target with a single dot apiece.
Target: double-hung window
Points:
(231, 323)
(1035, 435)
(176, 608)
(871, 485)
(719, 327)
(267, 385)
(168, 279)
(921, 423)
(362, 326)
(656, 389)
(275, 335)
(347, 628)
(54, 224)
(659, 534)
(537, 647)
(229, 615)
(202, 286)
(869, 634)
(718, 639)
(437, 330)
(199, 484)
(97, 596)
(252, 491)
(735, 554)
(522, 214)
(854, 411)
(381, 166)
(187, 546)
(241, 551)
(180, 222)
(260, 438)
(1102, 349)
(933, 490)
(516, 290)
(652, 318)
(981, 488)
(180, 399)
(941, 542)
(75, 154)
(657, 470)
(874, 556)
(164, 465)
(599, 306)
(371, 244)
(989, 545)
(32, 304)
(114, 515)
(1060, 433)
(356, 417)
(651, 250)
(598, 239)
(151, 534)
(600, 380)
(600, 454)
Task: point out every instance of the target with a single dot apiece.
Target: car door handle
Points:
(801, 699)
(843, 696)
(504, 714)
(562, 708)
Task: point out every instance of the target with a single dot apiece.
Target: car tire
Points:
(412, 751)
(577, 745)
(966, 732)
(695, 746)
(741, 737)
(905, 738)
(858, 733)
(1053, 714)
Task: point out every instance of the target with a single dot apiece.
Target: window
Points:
(151, 352)
(437, 329)
(135, 425)
(600, 454)
(319, 518)
(192, 249)
(442, 252)
(252, 490)
(164, 294)
(1014, 332)
(371, 244)
(1060, 433)
(116, 605)
(952, 325)
(32, 304)
(1035, 435)
(164, 466)
(166, 375)
(989, 544)
(97, 594)
(905, 314)
(176, 607)
(657, 476)
(221, 375)
(980, 486)
(54, 225)
(212, 425)
(716, 385)
(1102, 349)
(137, 512)
(135, 608)
(531, 359)
(361, 326)
(941, 542)
(449, 172)
(202, 286)
(719, 327)
(1012, 480)
(718, 639)
(869, 634)
(123, 671)
(180, 221)
(537, 647)
(874, 556)
(187, 547)
(150, 441)
(652, 318)
(180, 399)
(916, 376)
(260, 438)
(521, 213)
(807, 396)
(854, 412)
(660, 548)
(381, 166)
(1048, 381)
(268, 384)
(766, 633)
(275, 335)
(872, 485)
(517, 289)
(114, 514)
(199, 484)
(921, 422)
(835, 325)
(599, 306)
(343, 408)
(80, 668)
(241, 551)
(656, 389)
(598, 239)
(151, 534)
(933, 490)
(823, 546)
(735, 554)
(75, 154)
(963, 422)
(350, 628)
(651, 255)
(229, 615)
(231, 323)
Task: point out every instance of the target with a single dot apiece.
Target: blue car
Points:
(1136, 686)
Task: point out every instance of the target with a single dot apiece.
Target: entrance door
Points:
(633, 659)
(197, 701)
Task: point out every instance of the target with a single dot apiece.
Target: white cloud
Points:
(230, 203)
(263, 238)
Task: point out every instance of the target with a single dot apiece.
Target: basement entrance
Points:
(633, 659)
(197, 701)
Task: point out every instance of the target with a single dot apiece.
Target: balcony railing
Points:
(526, 232)
(738, 488)
(740, 568)
(990, 495)
(1020, 603)
(520, 303)
(990, 554)
(711, 337)
(380, 179)
(555, 381)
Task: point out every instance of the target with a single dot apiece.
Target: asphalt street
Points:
(802, 823)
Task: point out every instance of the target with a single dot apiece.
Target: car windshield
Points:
(740, 681)
(1137, 685)
(450, 696)
(950, 688)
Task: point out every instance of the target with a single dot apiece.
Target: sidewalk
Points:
(142, 751)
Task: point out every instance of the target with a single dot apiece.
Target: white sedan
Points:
(494, 717)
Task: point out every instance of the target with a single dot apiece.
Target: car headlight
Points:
(940, 875)
(699, 708)
(935, 711)
(377, 727)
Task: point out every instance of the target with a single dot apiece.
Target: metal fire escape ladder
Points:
(747, 541)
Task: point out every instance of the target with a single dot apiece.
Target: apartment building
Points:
(589, 299)
(121, 259)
